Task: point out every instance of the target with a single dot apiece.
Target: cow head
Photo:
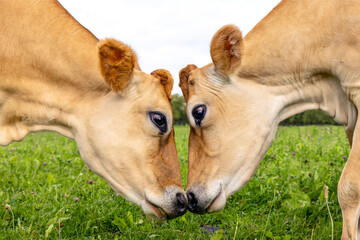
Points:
(231, 126)
(127, 137)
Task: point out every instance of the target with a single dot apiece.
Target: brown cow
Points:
(303, 55)
(55, 75)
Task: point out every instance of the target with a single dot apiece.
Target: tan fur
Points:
(117, 62)
(304, 55)
(168, 151)
(349, 195)
(166, 80)
(184, 79)
(55, 75)
(226, 49)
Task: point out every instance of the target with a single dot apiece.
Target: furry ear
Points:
(166, 80)
(226, 49)
(184, 79)
(117, 62)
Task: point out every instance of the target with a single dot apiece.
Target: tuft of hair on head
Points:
(226, 49)
(166, 80)
(117, 63)
(184, 79)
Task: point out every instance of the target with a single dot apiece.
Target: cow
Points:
(56, 75)
(303, 55)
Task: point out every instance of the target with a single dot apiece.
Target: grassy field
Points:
(42, 177)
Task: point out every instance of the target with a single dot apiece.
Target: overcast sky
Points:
(167, 34)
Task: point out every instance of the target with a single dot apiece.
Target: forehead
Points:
(147, 84)
(204, 81)
(148, 90)
(200, 74)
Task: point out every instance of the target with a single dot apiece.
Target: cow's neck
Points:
(301, 66)
(47, 77)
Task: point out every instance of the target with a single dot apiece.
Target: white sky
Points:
(167, 34)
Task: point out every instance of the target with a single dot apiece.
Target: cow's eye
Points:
(159, 121)
(198, 113)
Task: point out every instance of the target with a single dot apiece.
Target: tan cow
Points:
(303, 55)
(55, 75)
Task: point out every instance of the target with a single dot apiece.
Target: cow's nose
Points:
(193, 202)
(181, 203)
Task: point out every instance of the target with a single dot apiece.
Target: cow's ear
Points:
(184, 79)
(226, 49)
(166, 80)
(117, 62)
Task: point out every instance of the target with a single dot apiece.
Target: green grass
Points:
(284, 200)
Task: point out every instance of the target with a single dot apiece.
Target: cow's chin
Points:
(153, 210)
(218, 203)
(150, 209)
(165, 205)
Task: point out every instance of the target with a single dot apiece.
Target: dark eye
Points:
(159, 120)
(198, 113)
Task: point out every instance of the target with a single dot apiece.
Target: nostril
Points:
(192, 201)
(181, 202)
